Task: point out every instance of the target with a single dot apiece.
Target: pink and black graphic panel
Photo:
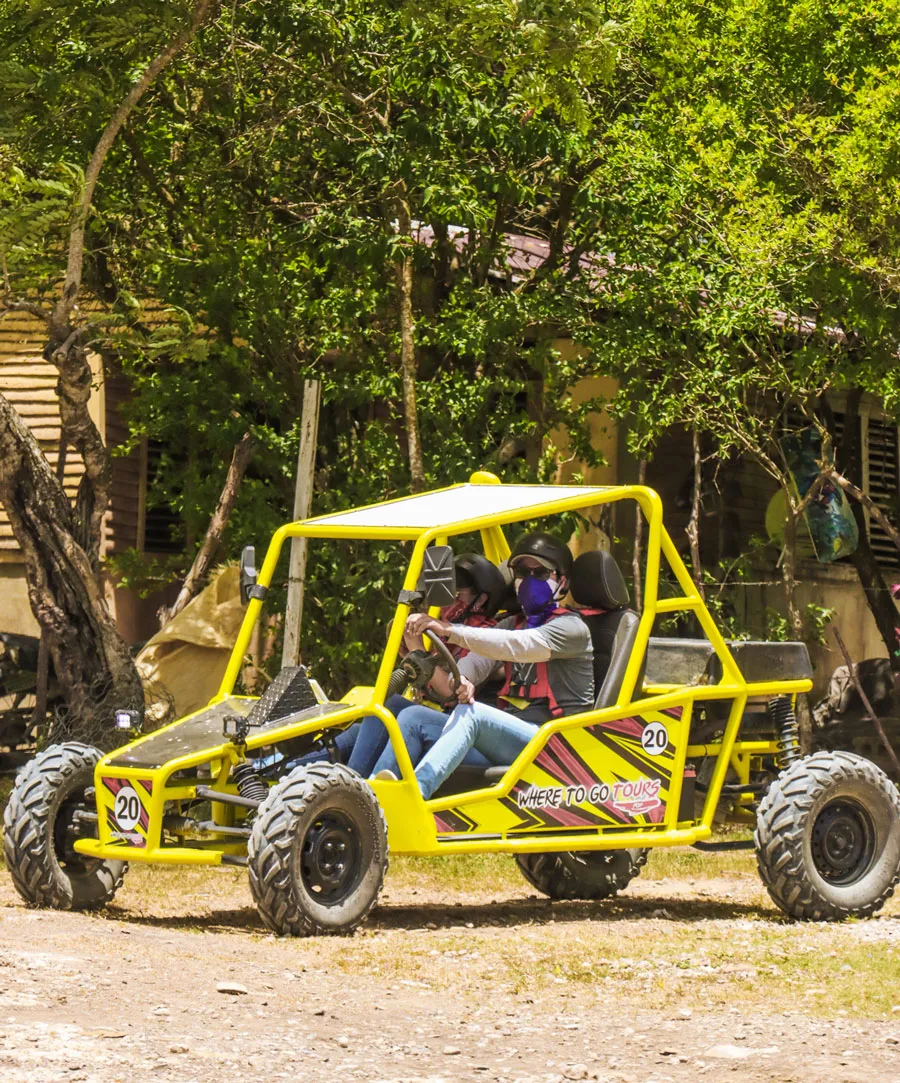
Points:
(127, 814)
(608, 775)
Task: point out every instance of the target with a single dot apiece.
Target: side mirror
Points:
(438, 582)
(248, 572)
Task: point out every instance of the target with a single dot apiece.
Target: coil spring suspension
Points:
(781, 711)
(248, 782)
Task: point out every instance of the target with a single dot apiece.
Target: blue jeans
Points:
(359, 745)
(497, 735)
(372, 738)
(421, 727)
(343, 744)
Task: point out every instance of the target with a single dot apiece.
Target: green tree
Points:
(756, 207)
(51, 56)
(329, 191)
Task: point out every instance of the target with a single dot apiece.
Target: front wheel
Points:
(828, 838)
(318, 852)
(51, 805)
(586, 874)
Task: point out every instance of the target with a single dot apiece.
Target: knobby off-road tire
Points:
(828, 838)
(586, 874)
(318, 852)
(38, 826)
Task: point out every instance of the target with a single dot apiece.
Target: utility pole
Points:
(303, 490)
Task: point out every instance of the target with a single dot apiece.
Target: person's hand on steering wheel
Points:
(421, 622)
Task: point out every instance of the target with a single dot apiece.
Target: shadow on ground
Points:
(524, 912)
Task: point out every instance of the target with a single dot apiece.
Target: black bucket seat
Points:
(596, 583)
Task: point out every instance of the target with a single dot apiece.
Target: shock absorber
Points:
(248, 782)
(781, 711)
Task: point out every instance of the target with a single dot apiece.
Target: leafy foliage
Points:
(703, 196)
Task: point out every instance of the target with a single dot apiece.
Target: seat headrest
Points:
(597, 582)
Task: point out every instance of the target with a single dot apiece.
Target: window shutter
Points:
(883, 487)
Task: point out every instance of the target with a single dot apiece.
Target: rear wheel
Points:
(584, 874)
(318, 852)
(52, 805)
(828, 838)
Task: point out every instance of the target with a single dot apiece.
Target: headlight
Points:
(128, 720)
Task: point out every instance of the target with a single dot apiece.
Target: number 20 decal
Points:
(655, 738)
(128, 808)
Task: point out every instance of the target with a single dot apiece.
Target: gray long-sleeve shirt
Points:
(564, 643)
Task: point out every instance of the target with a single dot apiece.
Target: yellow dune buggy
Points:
(685, 733)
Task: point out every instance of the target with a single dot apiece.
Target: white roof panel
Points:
(444, 507)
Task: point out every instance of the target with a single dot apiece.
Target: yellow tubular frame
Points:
(410, 819)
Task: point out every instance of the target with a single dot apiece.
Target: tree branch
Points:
(404, 273)
(72, 284)
(863, 498)
(217, 524)
(25, 306)
(873, 718)
(693, 528)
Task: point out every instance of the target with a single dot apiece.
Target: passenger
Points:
(548, 663)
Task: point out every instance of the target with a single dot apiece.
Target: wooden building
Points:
(734, 502)
(29, 382)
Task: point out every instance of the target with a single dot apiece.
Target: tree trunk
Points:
(788, 568)
(61, 548)
(408, 346)
(92, 662)
(43, 665)
(534, 405)
(693, 527)
(788, 574)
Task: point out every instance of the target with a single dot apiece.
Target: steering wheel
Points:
(444, 651)
(414, 667)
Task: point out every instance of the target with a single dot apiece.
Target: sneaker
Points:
(385, 776)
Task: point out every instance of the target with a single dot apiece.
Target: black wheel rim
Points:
(843, 842)
(330, 858)
(67, 828)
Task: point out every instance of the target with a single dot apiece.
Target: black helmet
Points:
(475, 570)
(550, 551)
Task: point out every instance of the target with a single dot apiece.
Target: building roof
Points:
(519, 256)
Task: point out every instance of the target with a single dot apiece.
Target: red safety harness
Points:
(474, 620)
(537, 689)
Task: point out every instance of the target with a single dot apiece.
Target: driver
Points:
(547, 659)
(480, 590)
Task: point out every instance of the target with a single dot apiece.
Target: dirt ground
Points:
(677, 979)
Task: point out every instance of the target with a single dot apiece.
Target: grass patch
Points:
(704, 964)
(455, 873)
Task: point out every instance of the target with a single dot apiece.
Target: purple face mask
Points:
(537, 598)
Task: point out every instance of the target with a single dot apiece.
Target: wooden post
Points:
(306, 467)
(693, 527)
(637, 552)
